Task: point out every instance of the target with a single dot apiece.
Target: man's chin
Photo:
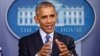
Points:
(49, 31)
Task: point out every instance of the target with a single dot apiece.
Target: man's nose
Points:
(49, 20)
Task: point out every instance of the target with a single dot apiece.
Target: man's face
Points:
(46, 18)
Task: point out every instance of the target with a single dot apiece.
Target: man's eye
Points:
(52, 15)
(43, 17)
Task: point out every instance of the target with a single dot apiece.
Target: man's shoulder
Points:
(68, 40)
(29, 37)
(65, 37)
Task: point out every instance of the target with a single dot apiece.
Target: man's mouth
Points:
(49, 27)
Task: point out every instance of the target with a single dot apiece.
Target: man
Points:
(37, 44)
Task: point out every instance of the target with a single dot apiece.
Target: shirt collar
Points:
(43, 34)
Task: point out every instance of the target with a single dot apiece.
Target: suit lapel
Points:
(38, 41)
(55, 50)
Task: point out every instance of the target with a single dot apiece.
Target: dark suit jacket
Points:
(30, 45)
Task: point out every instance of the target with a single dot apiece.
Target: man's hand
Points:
(63, 48)
(45, 50)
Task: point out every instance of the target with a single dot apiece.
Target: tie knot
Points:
(47, 38)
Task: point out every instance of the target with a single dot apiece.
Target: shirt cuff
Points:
(36, 54)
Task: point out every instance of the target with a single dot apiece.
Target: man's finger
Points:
(49, 43)
(63, 50)
(46, 51)
(44, 54)
(62, 54)
(59, 43)
(47, 48)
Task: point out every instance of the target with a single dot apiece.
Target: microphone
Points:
(1, 54)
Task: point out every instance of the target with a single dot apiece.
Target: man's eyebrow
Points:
(52, 15)
(44, 16)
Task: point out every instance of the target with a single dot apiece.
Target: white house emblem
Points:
(74, 19)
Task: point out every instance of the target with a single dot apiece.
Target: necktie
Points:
(47, 38)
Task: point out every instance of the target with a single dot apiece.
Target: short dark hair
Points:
(44, 4)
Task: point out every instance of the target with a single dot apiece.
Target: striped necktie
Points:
(47, 38)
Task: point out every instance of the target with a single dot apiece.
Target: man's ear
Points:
(36, 19)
